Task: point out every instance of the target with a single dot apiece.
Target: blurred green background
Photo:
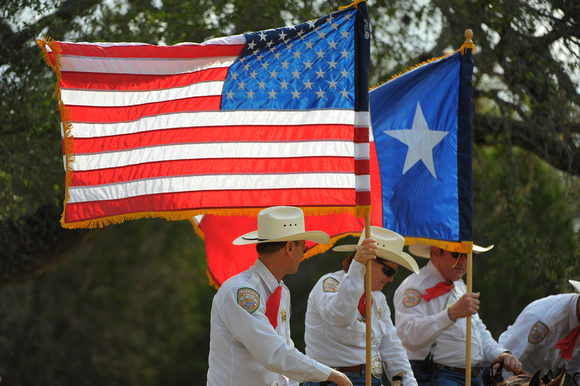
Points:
(129, 304)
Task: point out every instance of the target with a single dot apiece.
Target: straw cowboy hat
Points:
(389, 247)
(281, 223)
(576, 284)
(424, 250)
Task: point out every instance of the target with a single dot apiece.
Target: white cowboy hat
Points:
(389, 247)
(576, 284)
(424, 250)
(281, 223)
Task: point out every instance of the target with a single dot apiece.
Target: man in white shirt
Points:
(250, 340)
(335, 318)
(545, 335)
(430, 316)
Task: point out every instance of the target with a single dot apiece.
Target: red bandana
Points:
(362, 305)
(568, 343)
(440, 289)
(272, 306)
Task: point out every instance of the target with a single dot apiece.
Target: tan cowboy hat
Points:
(576, 284)
(281, 223)
(424, 250)
(389, 247)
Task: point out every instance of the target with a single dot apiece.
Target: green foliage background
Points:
(129, 304)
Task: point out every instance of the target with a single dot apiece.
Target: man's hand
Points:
(366, 251)
(339, 378)
(510, 363)
(467, 305)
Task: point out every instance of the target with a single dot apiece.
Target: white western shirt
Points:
(543, 323)
(335, 332)
(419, 323)
(244, 347)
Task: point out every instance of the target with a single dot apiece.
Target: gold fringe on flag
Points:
(355, 4)
(189, 214)
(64, 111)
(321, 248)
(453, 246)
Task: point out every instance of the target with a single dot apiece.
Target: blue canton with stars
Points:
(308, 66)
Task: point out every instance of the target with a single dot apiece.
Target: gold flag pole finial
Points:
(468, 35)
(468, 42)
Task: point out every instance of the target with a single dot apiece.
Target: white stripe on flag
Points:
(361, 151)
(210, 182)
(108, 98)
(142, 66)
(217, 118)
(212, 151)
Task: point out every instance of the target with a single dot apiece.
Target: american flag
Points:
(229, 126)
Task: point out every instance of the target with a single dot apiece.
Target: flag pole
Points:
(368, 307)
(468, 44)
(468, 326)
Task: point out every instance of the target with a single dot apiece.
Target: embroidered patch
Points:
(538, 332)
(330, 284)
(411, 298)
(248, 299)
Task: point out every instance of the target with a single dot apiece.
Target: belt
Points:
(474, 370)
(356, 369)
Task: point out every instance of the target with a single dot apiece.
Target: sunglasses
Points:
(388, 271)
(455, 255)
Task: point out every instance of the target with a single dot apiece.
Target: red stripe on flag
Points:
(213, 134)
(362, 167)
(207, 200)
(212, 166)
(363, 198)
(361, 134)
(132, 113)
(136, 51)
(119, 82)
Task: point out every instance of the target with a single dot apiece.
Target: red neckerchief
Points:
(568, 343)
(272, 306)
(440, 289)
(362, 305)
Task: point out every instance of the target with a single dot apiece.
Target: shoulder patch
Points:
(248, 299)
(538, 332)
(330, 284)
(411, 298)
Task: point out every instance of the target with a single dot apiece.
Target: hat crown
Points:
(280, 221)
(387, 240)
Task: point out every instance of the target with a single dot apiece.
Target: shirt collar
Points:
(266, 275)
(432, 269)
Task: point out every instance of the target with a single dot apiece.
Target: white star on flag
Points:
(420, 140)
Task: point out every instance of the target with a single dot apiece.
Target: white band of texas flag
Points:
(229, 126)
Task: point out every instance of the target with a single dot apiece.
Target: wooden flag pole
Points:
(368, 306)
(468, 326)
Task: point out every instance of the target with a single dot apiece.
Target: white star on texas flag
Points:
(420, 140)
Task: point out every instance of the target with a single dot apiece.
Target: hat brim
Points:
(575, 284)
(404, 259)
(424, 250)
(318, 237)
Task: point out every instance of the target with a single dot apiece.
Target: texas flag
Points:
(421, 124)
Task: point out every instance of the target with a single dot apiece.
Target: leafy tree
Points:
(129, 304)
(526, 70)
